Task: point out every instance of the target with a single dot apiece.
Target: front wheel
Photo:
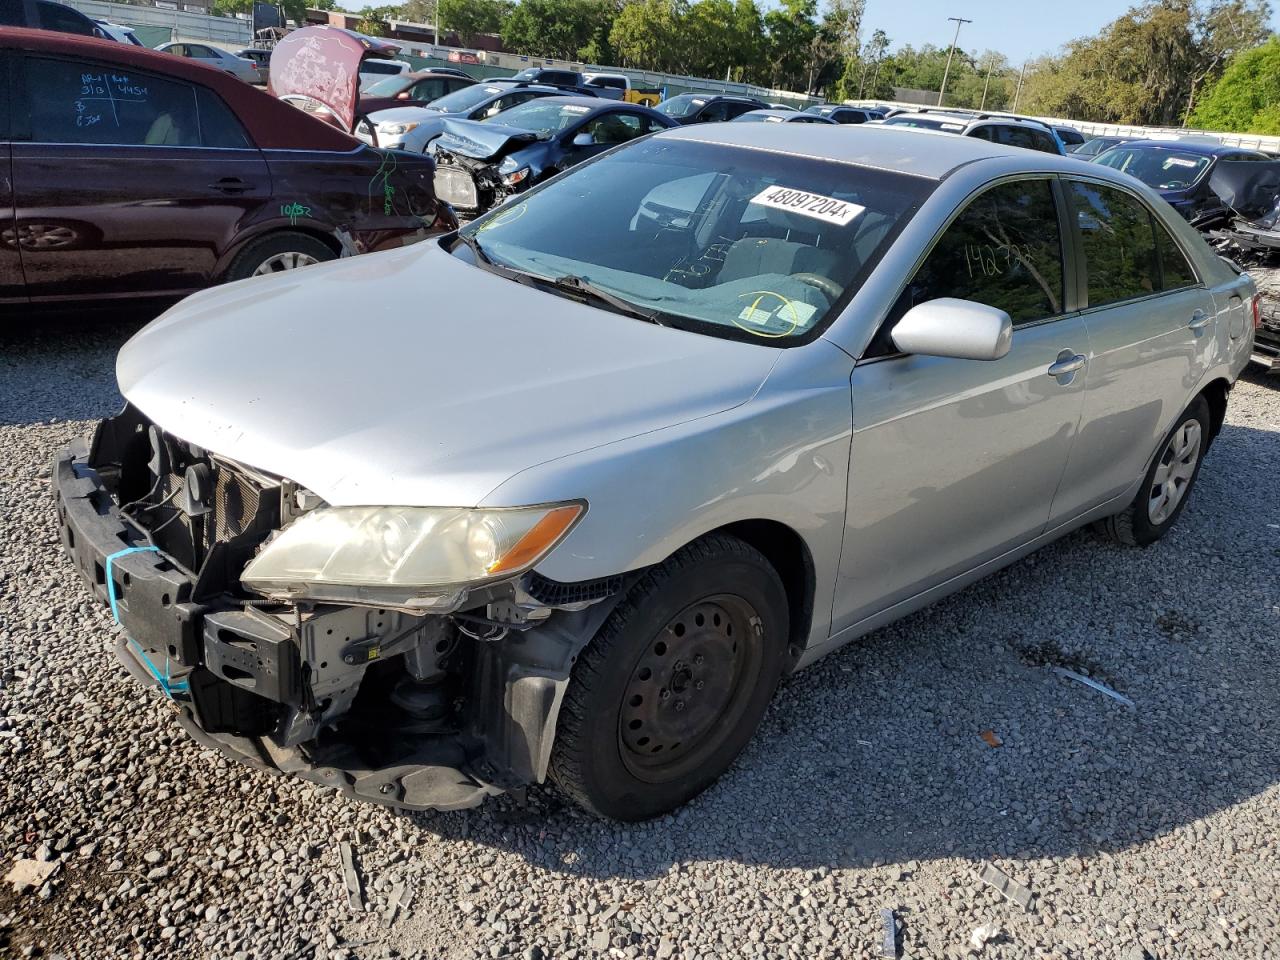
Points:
(1167, 484)
(671, 689)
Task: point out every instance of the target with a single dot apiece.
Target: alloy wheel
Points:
(284, 261)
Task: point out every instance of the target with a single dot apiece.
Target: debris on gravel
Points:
(1143, 833)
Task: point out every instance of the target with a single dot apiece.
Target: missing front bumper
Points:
(319, 692)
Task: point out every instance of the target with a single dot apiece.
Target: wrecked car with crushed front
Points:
(721, 401)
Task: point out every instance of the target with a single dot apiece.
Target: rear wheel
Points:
(1167, 485)
(674, 685)
(276, 253)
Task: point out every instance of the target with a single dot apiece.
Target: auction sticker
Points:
(815, 205)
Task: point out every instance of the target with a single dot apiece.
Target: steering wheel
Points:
(828, 286)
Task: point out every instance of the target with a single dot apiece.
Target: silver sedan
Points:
(566, 494)
(242, 67)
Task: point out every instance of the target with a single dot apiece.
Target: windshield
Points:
(682, 106)
(388, 86)
(1156, 166)
(460, 101)
(541, 116)
(727, 241)
(923, 123)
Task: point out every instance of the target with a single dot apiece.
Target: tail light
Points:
(1256, 305)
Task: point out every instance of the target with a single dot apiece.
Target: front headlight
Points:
(396, 129)
(414, 557)
(511, 171)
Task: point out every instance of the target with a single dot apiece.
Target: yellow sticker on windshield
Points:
(767, 306)
(815, 205)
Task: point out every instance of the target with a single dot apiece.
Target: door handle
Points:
(1067, 364)
(231, 185)
(1199, 320)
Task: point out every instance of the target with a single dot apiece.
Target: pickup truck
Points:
(565, 79)
(617, 86)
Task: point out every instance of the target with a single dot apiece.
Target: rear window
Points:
(726, 241)
(1158, 167)
(925, 123)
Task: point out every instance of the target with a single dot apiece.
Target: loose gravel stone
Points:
(1145, 832)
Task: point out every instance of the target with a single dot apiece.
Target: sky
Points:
(1020, 30)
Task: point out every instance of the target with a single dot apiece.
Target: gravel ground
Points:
(1140, 832)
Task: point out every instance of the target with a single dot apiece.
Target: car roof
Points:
(872, 145)
(272, 124)
(784, 112)
(1188, 146)
(595, 103)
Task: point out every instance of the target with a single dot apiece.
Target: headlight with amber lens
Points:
(413, 557)
(396, 129)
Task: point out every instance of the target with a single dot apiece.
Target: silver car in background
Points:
(633, 446)
(247, 70)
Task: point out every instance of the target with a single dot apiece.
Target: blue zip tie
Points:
(163, 679)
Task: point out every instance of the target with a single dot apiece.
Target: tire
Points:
(273, 253)
(671, 689)
(1150, 517)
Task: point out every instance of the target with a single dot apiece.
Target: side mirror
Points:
(584, 140)
(948, 327)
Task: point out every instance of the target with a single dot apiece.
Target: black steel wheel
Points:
(673, 686)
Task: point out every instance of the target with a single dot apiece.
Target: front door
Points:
(126, 182)
(955, 462)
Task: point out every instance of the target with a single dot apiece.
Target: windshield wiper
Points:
(486, 262)
(586, 287)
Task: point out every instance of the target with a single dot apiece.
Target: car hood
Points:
(482, 141)
(404, 115)
(412, 377)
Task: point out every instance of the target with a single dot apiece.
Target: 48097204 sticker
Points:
(815, 205)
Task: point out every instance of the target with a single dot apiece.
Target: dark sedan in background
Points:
(415, 89)
(1178, 169)
(481, 163)
(135, 173)
(707, 108)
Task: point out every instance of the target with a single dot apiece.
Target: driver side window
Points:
(1004, 250)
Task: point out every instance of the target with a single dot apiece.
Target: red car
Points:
(133, 173)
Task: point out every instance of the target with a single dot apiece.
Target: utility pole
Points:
(991, 64)
(960, 22)
(436, 28)
(1017, 93)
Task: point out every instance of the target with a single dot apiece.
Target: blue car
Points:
(1178, 169)
(480, 164)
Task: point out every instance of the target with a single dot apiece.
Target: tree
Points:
(470, 18)
(1245, 99)
(645, 34)
(561, 29)
(1144, 66)
(790, 33)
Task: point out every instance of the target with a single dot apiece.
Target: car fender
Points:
(782, 456)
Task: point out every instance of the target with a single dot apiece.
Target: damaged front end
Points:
(427, 706)
(475, 165)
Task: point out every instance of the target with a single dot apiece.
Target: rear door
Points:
(11, 283)
(126, 182)
(1151, 326)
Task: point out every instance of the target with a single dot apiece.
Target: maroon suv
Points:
(132, 173)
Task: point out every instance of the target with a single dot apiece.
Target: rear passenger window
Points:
(218, 125)
(1119, 243)
(59, 17)
(1175, 270)
(1004, 250)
